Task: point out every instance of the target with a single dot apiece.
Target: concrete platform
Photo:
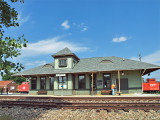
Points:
(122, 95)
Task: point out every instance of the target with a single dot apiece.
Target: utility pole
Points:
(140, 57)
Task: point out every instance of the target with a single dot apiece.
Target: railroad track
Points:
(74, 105)
(81, 98)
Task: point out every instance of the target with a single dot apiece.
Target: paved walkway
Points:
(123, 95)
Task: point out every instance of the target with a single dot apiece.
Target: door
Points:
(107, 81)
(123, 84)
(63, 84)
(94, 84)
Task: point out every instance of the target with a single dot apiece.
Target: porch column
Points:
(92, 83)
(119, 81)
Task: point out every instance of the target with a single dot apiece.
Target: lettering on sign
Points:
(152, 85)
(60, 75)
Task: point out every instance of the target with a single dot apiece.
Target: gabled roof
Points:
(94, 65)
(4, 83)
(65, 52)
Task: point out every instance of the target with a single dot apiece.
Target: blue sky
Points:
(90, 28)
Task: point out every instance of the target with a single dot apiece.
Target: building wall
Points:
(55, 82)
(70, 83)
(34, 92)
(69, 63)
(134, 84)
(38, 82)
(68, 91)
(9, 87)
(134, 81)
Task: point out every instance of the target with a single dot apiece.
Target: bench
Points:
(42, 92)
(106, 92)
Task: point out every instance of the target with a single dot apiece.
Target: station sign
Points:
(60, 75)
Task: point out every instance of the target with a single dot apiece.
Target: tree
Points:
(9, 47)
(17, 80)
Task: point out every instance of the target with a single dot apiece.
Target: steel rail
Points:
(76, 103)
(119, 106)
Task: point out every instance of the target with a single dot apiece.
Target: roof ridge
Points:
(96, 57)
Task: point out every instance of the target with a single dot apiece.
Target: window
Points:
(106, 62)
(74, 61)
(62, 80)
(51, 79)
(47, 66)
(82, 82)
(62, 62)
(107, 81)
(34, 83)
(12, 87)
(43, 83)
(99, 83)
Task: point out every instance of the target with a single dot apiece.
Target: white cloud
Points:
(22, 20)
(85, 28)
(119, 39)
(35, 63)
(82, 27)
(65, 24)
(50, 46)
(153, 58)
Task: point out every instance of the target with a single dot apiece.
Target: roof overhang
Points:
(143, 72)
(149, 70)
(56, 56)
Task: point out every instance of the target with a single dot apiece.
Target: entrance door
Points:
(123, 84)
(94, 84)
(107, 81)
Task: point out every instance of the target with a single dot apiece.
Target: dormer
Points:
(65, 59)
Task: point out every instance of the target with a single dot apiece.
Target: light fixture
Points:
(122, 73)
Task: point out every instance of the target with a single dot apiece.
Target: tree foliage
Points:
(17, 80)
(9, 47)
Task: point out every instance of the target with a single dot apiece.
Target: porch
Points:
(81, 83)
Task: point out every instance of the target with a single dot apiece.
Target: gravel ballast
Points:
(18, 113)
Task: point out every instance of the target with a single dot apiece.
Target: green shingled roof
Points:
(93, 65)
(65, 51)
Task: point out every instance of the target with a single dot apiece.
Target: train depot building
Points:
(69, 75)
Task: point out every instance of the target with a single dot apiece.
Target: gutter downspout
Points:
(142, 79)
